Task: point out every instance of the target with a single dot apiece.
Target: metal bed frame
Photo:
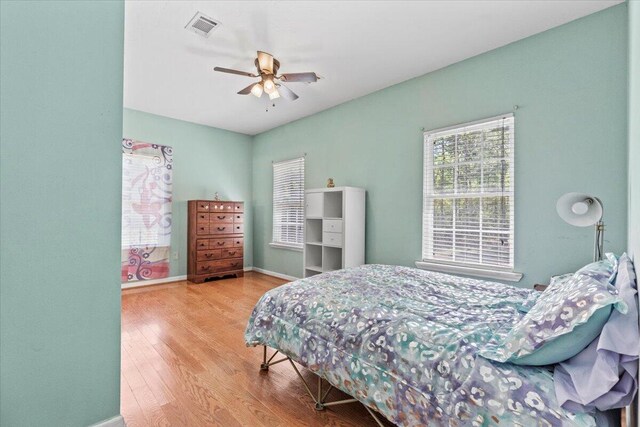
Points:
(320, 398)
(632, 413)
(321, 403)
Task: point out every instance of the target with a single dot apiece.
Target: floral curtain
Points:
(146, 210)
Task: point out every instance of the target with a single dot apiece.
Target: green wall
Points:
(570, 85)
(206, 160)
(60, 168)
(634, 128)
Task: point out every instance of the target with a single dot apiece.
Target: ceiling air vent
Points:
(202, 25)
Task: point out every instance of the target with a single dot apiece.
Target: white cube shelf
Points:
(334, 229)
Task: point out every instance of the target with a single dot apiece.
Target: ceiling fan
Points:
(270, 82)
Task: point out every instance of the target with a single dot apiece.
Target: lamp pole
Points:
(599, 239)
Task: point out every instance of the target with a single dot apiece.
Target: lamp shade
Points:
(579, 209)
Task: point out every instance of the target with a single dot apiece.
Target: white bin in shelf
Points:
(332, 239)
(332, 225)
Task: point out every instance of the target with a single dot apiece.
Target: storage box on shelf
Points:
(215, 239)
(334, 229)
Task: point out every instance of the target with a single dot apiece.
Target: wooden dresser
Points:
(215, 240)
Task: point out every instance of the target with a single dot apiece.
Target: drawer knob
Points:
(232, 253)
(221, 216)
(220, 243)
(221, 228)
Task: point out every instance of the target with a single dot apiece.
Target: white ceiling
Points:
(358, 47)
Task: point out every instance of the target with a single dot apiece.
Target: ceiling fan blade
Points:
(299, 77)
(230, 71)
(287, 93)
(247, 90)
(265, 62)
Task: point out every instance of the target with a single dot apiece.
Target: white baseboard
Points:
(116, 421)
(272, 273)
(140, 283)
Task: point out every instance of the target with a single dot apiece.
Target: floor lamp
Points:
(583, 210)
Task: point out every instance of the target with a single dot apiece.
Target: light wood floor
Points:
(185, 363)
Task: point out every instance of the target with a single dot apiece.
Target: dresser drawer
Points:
(232, 253)
(209, 255)
(205, 267)
(220, 218)
(218, 266)
(238, 207)
(202, 228)
(221, 207)
(332, 239)
(238, 228)
(332, 225)
(203, 206)
(202, 244)
(221, 243)
(228, 264)
(202, 217)
(221, 228)
(238, 242)
(238, 218)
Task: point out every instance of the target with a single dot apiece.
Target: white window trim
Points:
(291, 247)
(298, 247)
(478, 270)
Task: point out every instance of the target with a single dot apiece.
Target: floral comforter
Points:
(404, 341)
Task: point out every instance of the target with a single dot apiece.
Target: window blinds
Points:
(144, 215)
(288, 202)
(468, 194)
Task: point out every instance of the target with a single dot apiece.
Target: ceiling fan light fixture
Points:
(257, 90)
(269, 85)
(274, 94)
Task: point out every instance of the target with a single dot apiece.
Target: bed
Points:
(405, 343)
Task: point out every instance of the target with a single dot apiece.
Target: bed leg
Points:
(375, 417)
(320, 401)
(264, 366)
(319, 405)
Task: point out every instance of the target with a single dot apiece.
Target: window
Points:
(146, 210)
(468, 195)
(288, 203)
